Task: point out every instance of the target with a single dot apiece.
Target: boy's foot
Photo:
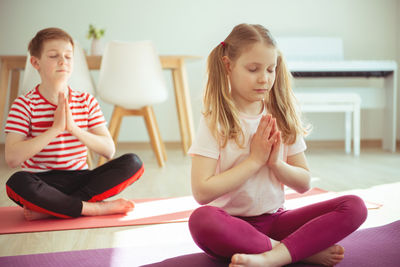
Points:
(328, 257)
(31, 215)
(117, 206)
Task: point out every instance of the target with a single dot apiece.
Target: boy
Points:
(48, 132)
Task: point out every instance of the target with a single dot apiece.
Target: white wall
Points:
(368, 28)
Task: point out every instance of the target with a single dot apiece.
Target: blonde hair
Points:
(219, 109)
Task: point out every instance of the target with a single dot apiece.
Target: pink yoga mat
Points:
(147, 211)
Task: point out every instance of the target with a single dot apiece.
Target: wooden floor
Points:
(375, 176)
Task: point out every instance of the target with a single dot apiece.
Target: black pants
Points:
(60, 193)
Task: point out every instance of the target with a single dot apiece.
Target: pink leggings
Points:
(304, 231)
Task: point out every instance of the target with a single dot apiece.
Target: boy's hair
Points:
(35, 46)
(219, 109)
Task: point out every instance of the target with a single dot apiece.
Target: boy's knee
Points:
(132, 160)
(17, 186)
(17, 180)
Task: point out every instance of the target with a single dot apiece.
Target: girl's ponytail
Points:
(219, 109)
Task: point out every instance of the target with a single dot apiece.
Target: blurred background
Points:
(369, 30)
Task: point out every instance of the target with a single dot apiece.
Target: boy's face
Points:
(55, 64)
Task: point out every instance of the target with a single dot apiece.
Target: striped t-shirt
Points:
(31, 114)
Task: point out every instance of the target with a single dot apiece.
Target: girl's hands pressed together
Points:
(262, 143)
(273, 157)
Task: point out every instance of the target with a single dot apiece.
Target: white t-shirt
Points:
(261, 193)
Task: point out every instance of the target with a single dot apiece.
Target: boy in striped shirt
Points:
(48, 132)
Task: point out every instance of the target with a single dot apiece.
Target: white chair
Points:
(80, 80)
(349, 103)
(131, 78)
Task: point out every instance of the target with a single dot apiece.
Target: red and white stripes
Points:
(31, 115)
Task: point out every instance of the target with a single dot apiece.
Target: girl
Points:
(249, 145)
(48, 132)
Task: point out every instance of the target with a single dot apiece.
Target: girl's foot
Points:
(328, 257)
(31, 215)
(278, 256)
(117, 206)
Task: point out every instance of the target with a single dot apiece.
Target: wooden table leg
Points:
(4, 75)
(184, 108)
(14, 87)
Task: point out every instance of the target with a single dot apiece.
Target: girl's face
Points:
(252, 75)
(56, 61)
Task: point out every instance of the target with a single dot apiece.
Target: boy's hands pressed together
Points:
(63, 120)
(69, 120)
(59, 122)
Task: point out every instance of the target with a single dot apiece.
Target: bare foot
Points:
(117, 206)
(31, 215)
(278, 256)
(328, 257)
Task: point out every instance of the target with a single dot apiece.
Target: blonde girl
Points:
(248, 147)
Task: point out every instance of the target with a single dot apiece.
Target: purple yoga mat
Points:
(372, 247)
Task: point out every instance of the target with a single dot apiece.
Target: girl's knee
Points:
(356, 209)
(206, 219)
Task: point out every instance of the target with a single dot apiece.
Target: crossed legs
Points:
(67, 194)
(309, 232)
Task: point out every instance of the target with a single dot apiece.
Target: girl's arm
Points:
(206, 186)
(295, 173)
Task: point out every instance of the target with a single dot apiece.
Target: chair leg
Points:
(115, 125)
(164, 152)
(154, 134)
(356, 129)
(347, 139)
(89, 159)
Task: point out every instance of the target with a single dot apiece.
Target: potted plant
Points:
(95, 34)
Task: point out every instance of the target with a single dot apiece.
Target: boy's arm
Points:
(19, 149)
(97, 139)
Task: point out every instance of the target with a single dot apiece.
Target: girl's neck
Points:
(50, 91)
(252, 109)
